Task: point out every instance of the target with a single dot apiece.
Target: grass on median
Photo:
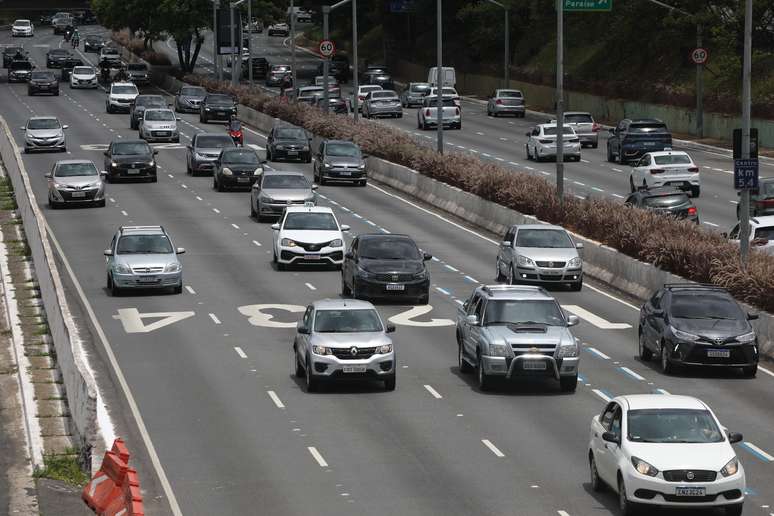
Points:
(64, 468)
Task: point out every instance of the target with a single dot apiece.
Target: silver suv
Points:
(342, 339)
(510, 331)
(143, 257)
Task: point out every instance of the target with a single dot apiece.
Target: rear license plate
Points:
(395, 286)
(78, 194)
(147, 279)
(354, 368)
(243, 180)
(133, 171)
(534, 365)
(311, 257)
(719, 353)
(690, 491)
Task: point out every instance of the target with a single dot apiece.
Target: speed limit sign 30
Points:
(699, 56)
(327, 48)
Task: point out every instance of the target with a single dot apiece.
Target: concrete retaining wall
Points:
(80, 385)
(541, 98)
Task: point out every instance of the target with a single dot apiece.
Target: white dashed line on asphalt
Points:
(214, 318)
(598, 353)
(765, 371)
(310, 286)
(597, 189)
(190, 289)
(617, 169)
(710, 223)
(631, 373)
(234, 226)
(239, 352)
(124, 213)
(479, 133)
(579, 183)
(199, 198)
(216, 210)
(317, 456)
(513, 163)
(618, 196)
(492, 448)
(663, 391)
(111, 199)
(602, 395)
(257, 243)
(432, 391)
(275, 399)
(758, 452)
(184, 186)
(170, 175)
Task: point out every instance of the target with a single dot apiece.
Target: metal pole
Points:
(215, 60)
(234, 56)
(560, 101)
(250, 42)
(507, 51)
(439, 75)
(354, 59)
(293, 44)
(699, 89)
(744, 208)
(326, 9)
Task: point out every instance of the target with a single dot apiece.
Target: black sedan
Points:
(57, 57)
(140, 104)
(288, 143)
(217, 106)
(236, 168)
(13, 53)
(336, 105)
(93, 43)
(138, 73)
(130, 159)
(42, 82)
(665, 200)
(378, 266)
(688, 324)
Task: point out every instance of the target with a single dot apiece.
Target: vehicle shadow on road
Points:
(527, 386)
(608, 500)
(696, 372)
(344, 387)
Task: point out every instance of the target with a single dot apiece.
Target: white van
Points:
(449, 76)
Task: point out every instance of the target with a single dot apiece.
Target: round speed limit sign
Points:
(327, 48)
(699, 56)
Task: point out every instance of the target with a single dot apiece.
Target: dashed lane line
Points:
(432, 391)
(214, 318)
(492, 448)
(319, 458)
(275, 399)
(239, 352)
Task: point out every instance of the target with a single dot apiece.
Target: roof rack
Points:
(704, 286)
(505, 288)
(124, 228)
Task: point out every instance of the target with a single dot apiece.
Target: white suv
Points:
(120, 97)
(665, 451)
(308, 235)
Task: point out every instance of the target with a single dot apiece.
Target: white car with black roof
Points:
(308, 235)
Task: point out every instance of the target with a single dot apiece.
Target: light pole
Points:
(236, 53)
(250, 42)
(215, 57)
(507, 44)
(560, 101)
(326, 9)
(744, 205)
(439, 75)
(293, 44)
(354, 60)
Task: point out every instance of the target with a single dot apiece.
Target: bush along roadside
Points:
(682, 248)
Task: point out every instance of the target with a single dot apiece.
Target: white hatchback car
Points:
(541, 143)
(761, 233)
(159, 125)
(83, 77)
(666, 168)
(308, 235)
(22, 28)
(665, 451)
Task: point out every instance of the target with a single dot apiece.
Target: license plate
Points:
(311, 257)
(345, 173)
(221, 113)
(395, 286)
(354, 368)
(650, 144)
(243, 180)
(534, 365)
(719, 353)
(162, 133)
(690, 491)
(550, 272)
(292, 153)
(133, 171)
(147, 279)
(78, 194)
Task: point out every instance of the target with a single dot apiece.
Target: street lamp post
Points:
(250, 43)
(355, 78)
(744, 205)
(439, 75)
(560, 101)
(236, 53)
(326, 10)
(215, 57)
(507, 43)
(293, 45)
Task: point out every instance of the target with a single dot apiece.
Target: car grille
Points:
(147, 270)
(67, 195)
(698, 354)
(392, 278)
(546, 277)
(533, 349)
(689, 499)
(126, 166)
(557, 265)
(346, 353)
(682, 475)
(312, 247)
(122, 101)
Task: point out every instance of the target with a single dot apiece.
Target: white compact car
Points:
(308, 235)
(665, 451)
(159, 125)
(83, 77)
(22, 28)
(120, 96)
(666, 168)
(541, 143)
(761, 233)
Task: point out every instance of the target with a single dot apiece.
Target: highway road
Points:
(210, 369)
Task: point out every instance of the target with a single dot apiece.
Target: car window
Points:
(389, 248)
(479, 308)
(158, 114)
(126, 149)
(307, 319)
(672, 426)
(551, 238)
(42, 76)
(193, 92)
(507, 94)
(655, 301)
(240, 156)
(607, 416)
(289, 181)
(219, 99)
(647, 128)
(615, 426)
(665, 201)
(472, 303)
(75, 169)
(578, 119)
(347, 321)
(124, 90)
(290, 133)
(136, 67)
(552, 131)
(701, 305)
(512, 311)
(43, 123)
(672, 159)
(85, 70)
(214, 141)
(150, 101)
(419, 88)
(645, 161)
(144, 244)
(734, 234)
(21, 65)
(509, 235)
(311, 221)
(342, 149)
(764, 233)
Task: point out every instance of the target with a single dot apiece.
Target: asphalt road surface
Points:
(210, 369)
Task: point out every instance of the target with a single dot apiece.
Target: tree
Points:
(185, 20)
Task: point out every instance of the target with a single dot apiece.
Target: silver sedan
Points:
(384, 103)
(506, 102)
(76, 181)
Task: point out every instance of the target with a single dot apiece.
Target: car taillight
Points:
(692, 210)
(595, 128)
(657, 170)
(427, 112)
(498, 102)
(457, 111)
(693, 169)
(760, 241)
(766, 202)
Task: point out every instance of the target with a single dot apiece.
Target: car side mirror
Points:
(426, 256)
(506, 243)
(65, 126)
(472, 320)
(611, 438)
(180, 250)
(108, 252)
(49, 176)
(106, 153)
(275, 226)
(178, 119)
(349, 255)
(103, 173)
(572, 320)
(303, 330)
(315, 187)
(345, 227)
(155, 152)
(752, 317)
(390, 328)
(657, 311)
(366, 156)
(22, 128)
(735, 437)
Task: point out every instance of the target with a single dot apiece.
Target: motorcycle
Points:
(235, 131)
(75, 41)
(68, 34)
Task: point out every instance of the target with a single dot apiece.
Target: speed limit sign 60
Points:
(699, 56)
(327, 48)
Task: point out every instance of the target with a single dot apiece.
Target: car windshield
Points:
(647, 128)
(159, 114)
(131, 148)
(219, 99)
(386, 94)
(764, 233)
(445, 101)
(109, 52)
(93, 39)
(13, 50)
(388, 248)
(289, 181)
(366, 89)
(347, 321)
(21, 65)
(42, 76)
(290, 133)
(124, 90)
(578, 119)
(75, 169)
(241, 157)
(419, 88)
(672, 159)
(767, 189)
(672, 426)
(150, 101)
(311, 221)
(552, 238)
(83, 70)
(665, 201)
(144, 244)
(551, 131)
(511, 311)
(342, 149)
(214, 142)
(22, 23)
(512, 95)
(700, 305)
(193, 92)
(136, 67)
(43, 123)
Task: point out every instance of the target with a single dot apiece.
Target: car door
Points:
(468, 339)
(640, 170)
(275, 236)
(652, 315)
(318, 157)
(607, 453)
(302, 340)
(108, 153)
(503, 253)
(109, 259)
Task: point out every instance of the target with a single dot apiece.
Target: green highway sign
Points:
(588, 5)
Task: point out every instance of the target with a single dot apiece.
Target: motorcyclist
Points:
(286, 84)
(235, 131)
(121, 75)
(68, 32)
(75, 38)
(104, 71)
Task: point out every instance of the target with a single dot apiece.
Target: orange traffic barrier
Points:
(115, 488)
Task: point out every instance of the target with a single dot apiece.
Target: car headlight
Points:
(336, 243)
(279, 147)
(312, 200)
(364, 273)
(113, 164)
(267, 199)
(305, 148)
(567, 351)
(384, 349)
(95, 184)
(683, 335)
(326, 164)
(227, 172)
(731, 468)
(321, 350)
(172, 267)
(523, 261)
(199, 156)
(151, 163)
(59, 186)
(643, 468)
(286, 242)
(498, 350)
(122, 268)
(574, 263)
(362, 166)
(421, 274)
(747, 337)
(207, 109)
(258, 171)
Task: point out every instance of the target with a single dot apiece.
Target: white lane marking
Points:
(310, 286)
(503, 139)
(601, 394)
(112, 200)
(479, 133)
(432, 391)
(617, 169)
(275, 399)
(239, 352)
(579, 197)
(317, 456)
(184, 186)
(757, 451)
(564, 513)
(486, 155)
(585, 161)
(734, 202)
(199, 198)
(663, 391)
(443, 291)
(611, 296)
(598, 353)
(618, 196)
(123, 212)
(257, 243)
(597, 189)
(710, 223)
(214, 318)
(579, 183)
(234, 226)
(170, 175)
(492, 448)
(216, 210)
(528, 167)
(513, 163)
(190, 289)
(474, 151)
(499, 159)
(632, 373)
(594, 319)
(764, 370)
(451, 268)
(471, 279)
(545, 173)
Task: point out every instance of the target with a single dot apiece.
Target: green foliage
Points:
(63, 467)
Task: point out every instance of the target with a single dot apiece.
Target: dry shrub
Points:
(680, 247)
(137, 47)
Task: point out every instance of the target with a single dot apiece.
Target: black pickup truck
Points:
(630, 139)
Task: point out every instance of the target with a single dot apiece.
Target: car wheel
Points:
(666, 365)
(389, 384)
(361, 183)
(632, 188)
(253, 213)
(299, 372)
(308, 158)
(100, 204)
(512, 277)
(484, 380)
(568, 383)
(345, 290)
(52, 203)
(750, 371)
(423, 299)
(645, 354)
(529, 156)
(594, 145)
(498, 275)
(178, 289)
(595, 481)
(626, 508)
(577, 286)
(133, 124)
(114, 290)
(311, 381)
(695, 191)
(463, 364)
(621, 160)
(610, 157)
(734, 510)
